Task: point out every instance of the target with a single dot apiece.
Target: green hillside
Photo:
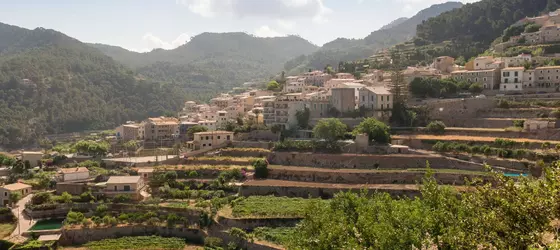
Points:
(342, 49)
(52, 83)
(224, 59)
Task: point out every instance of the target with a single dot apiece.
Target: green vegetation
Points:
(377, 131)
(261, 168)
(436, 127)
(270, 206)
(137, 242)
(435, 88)
(477, 25)
(504, 151)
(278, 235)
(273, 86)
(6, 229)
(342, 50)
(331, 130)
(34, 244)
(504, 214)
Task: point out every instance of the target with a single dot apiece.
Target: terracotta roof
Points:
(16, 186)
(123, 179)
(74, 170)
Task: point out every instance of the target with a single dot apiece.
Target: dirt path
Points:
(24, 221)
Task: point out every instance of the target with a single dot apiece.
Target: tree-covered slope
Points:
(481, 22)
(343, 49)
(226, 59)
(52, 83)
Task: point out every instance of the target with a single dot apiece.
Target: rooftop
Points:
(214, 132)
(379, 90)
(123, 179)
(514, 68)
(145, 170)
(16, 186)
(74, 170)
(164, 120)
(32, 153)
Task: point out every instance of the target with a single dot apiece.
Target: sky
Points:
(143, 25)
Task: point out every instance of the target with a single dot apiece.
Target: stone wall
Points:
(244, 153)
(478, 122)
(350, 122)
(448, 109)
(252, 144)
(79, 236)
(367, 177)
(318, 192)
(250, 224)
(61, 210)
(256, 135)
(515, 113)
(358, 161)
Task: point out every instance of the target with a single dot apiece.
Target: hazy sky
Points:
(142, 25)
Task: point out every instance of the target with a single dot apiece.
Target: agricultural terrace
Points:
(466, 138)
(138, 242)
(270, 207)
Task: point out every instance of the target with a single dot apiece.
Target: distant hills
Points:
(342, 49)
(228, 59)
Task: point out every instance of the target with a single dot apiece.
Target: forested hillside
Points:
(52, 83)
(478, 24)
(343, 49)
(224, 59)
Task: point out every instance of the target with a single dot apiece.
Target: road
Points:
(24, 221)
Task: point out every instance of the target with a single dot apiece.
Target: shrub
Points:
(122, 198)
(261, 168)
(518, 123)
(73, 218)
(212, 242)
(436, 127)
(41, 198)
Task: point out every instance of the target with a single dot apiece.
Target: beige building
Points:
(444, 64)
(74, 174)
(344, 76)
(378, 99)
(517, 61)
(547, 77)
(159, 128)
(208, 124)
(490, 78)
(343, 99)
(203, 140)
(128, 132)
(268, 111)
(146, 173)
(34, 158)
(125, 185)
(318, 108)
(6, 190)
(282, 110)
(412, 73)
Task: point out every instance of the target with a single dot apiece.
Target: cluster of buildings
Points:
(549, 31)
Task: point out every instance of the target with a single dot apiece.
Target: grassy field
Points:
(271, 207)
(139, 242)
(279, 235)
(6, 229)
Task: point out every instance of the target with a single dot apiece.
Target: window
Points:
(6, 194)
(227, 138)
(515, 80)
(388, 98)
(204, 145)
(506, 80)
(381, 106)
(515, 86)
(505, 87)
(218, 137)
(210, 144)
(381, 98)
(516, 74)
(126, 188)
(484, 79)
(115, 188)
(529, 80)
(363, 98)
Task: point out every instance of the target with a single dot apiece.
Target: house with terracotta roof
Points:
(7, 190)
(159, 128)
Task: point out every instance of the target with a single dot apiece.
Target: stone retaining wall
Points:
(244, 153)
(358, 161)
(250, 224)
(253, 144)
(317, 192)
(79, 236)
(412, 177)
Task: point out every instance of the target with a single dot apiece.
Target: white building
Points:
(512, 79)
(209, 139)
(209, 124)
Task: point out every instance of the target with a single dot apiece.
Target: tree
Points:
(436, 127)
(475, 88)
(330, 130)
(377, 131)
(15, 197)
(261, 168)
(195, 129)
(398, 87)
(273, 86)
(66, 197)
(41, 198)
(302, 117)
